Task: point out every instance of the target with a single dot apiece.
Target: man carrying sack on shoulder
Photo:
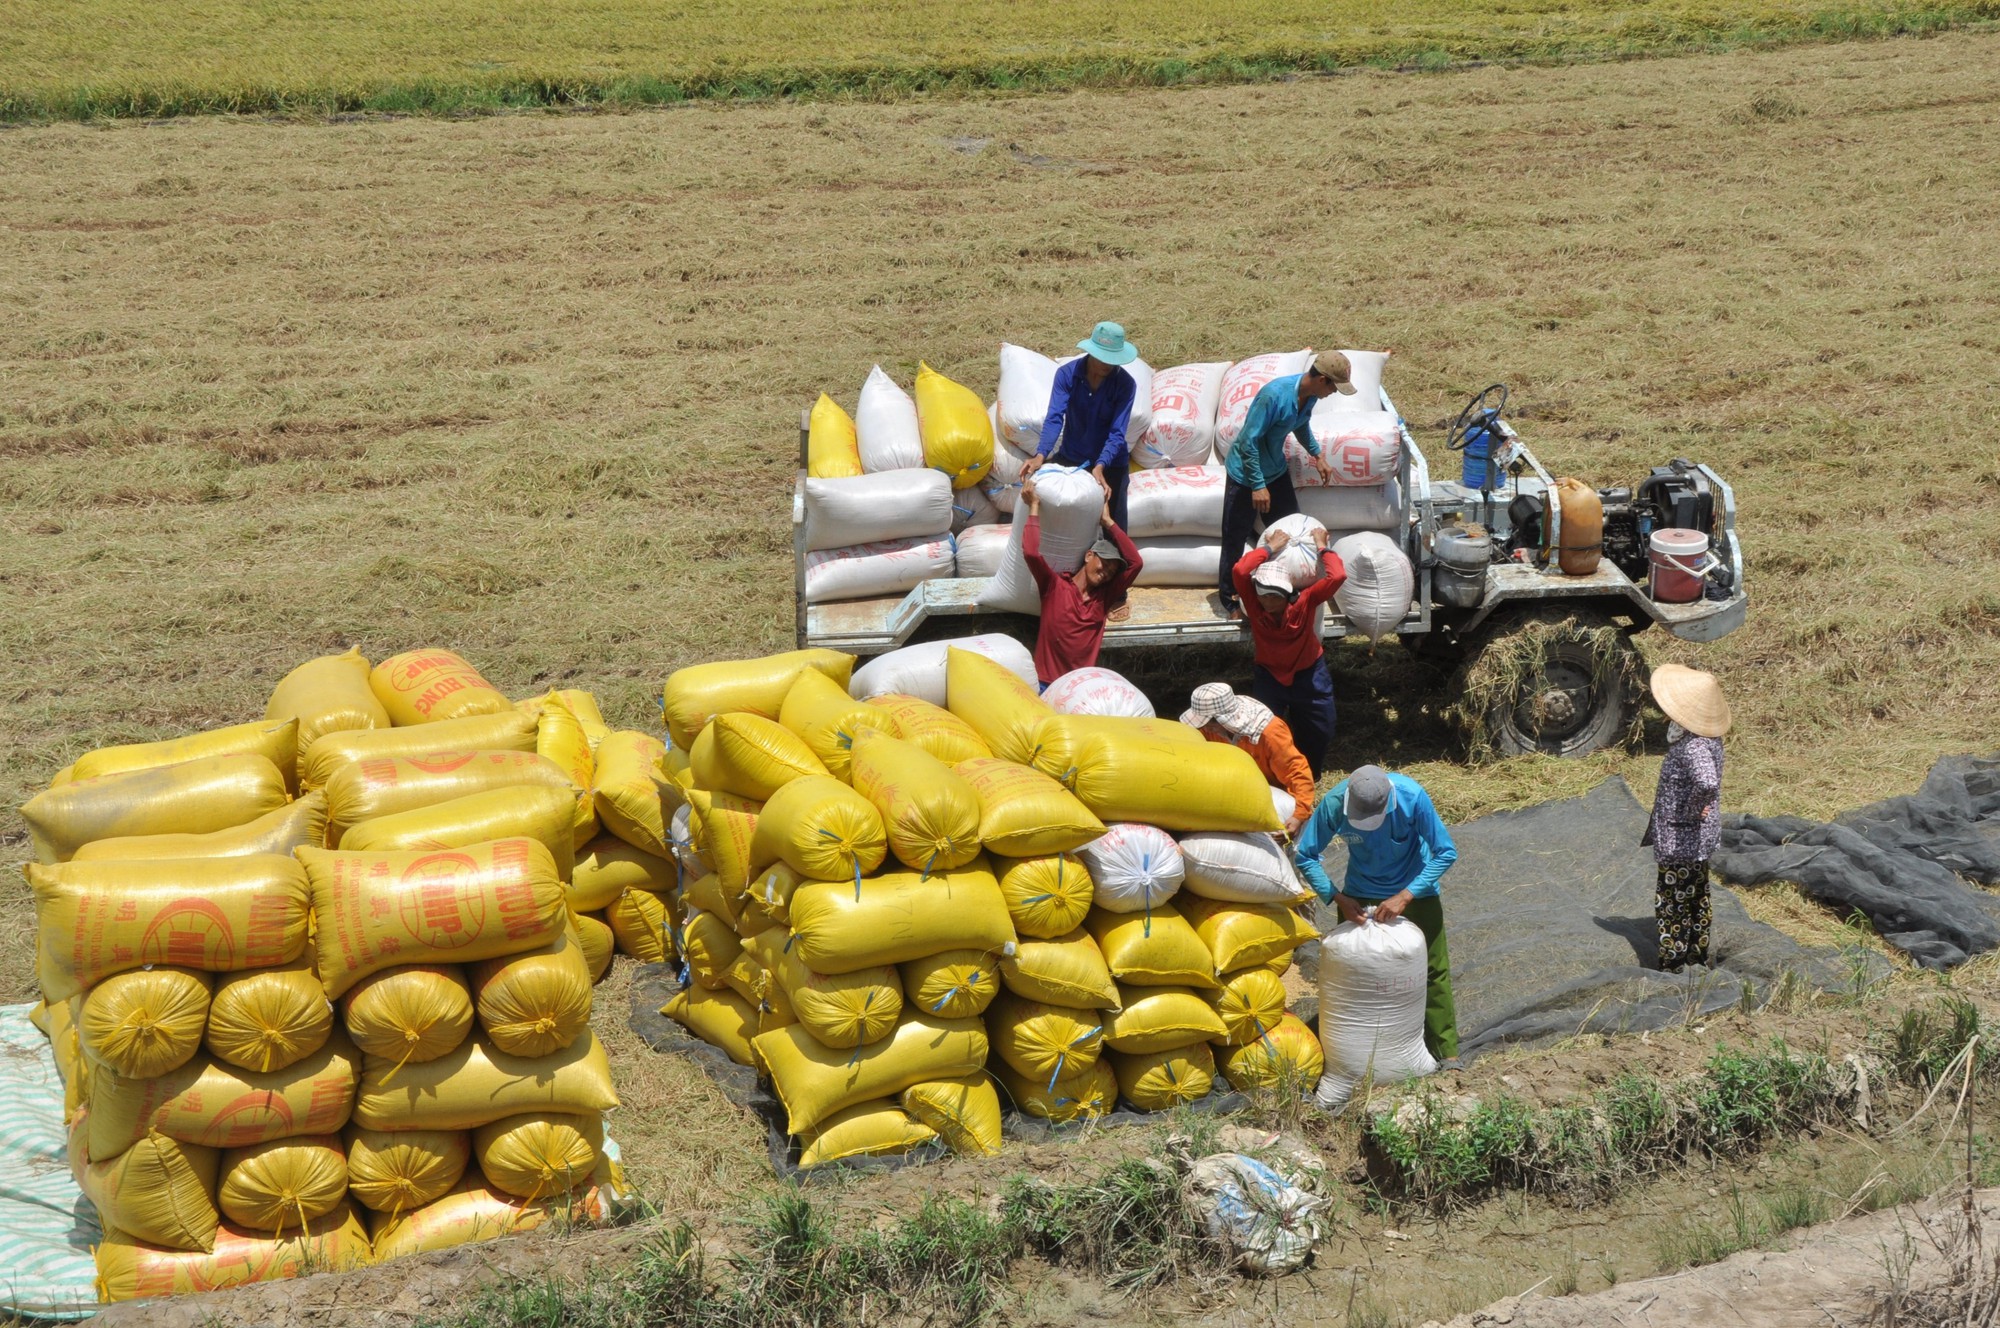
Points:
(1076, 607)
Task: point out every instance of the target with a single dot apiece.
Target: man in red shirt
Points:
(1290, 674)
(1075, 607)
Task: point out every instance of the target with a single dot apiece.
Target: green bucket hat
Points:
(1107, 342)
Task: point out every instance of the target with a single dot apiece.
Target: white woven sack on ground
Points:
(1071, 500)
(1362, 447)
(1240, 386)
(971, 507)
(1365, 368)
(1267, 1223)
(867, 509)
(1380, 583)
(1182, 430)
(1372, 979)
(1027, 378)
(1243, 869)
(1181, 500)
(1133, 867)
(868, 570)
(1180, 560)
(1377, 508)
(1097, 691)
(885, 425)
(980, 549)
(919, 670)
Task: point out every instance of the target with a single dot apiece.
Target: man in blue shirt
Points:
(1397, 848)
(1088, 413)
(1259, 488)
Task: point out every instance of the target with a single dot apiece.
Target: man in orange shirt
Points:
(1223, 716)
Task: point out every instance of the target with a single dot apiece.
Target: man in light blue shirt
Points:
(1397, 849)
(1259, 488)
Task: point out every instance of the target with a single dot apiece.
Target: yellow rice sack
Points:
(409, 1014)
(821, 713)
(327, 695)
(543, 814)
(867, 1129)
(581, 703)
(957, 984)
(931, 727)
(300, 822)
(957, 432)
(219, 1106)
(1162, 1080)
(821, 829)
(560, 740)
(709, 946)
(594, 934)
(641, 925)
(539, 1153)
(724, 826)
(746, 977)
(898, 916)
(476, 1084)
(1242, 935)
(392, 1171)
(814, 1081)
(720, 1018)
(965, 1112)
(1059, 739)
(1250, 1003)
(160, 1191)
(750, 756)
(930, 815)
(282, 1185)
(626, 790)
(264, 1019)
(144, 1023)
(1047, 896)
(1279, 964)
(275, 741)
(130, 1269)
(1067, 970)
(192, 798)
(536, 1003)
(1161, 1019)
(94, 919)
(833, 449)
(470, 1212)
(427, 686)
(378, 910)
(608, 866)
(770, 893)
(1089, 1093)
(1025, 814)
(1173, 785)
(699, 693)
(842, 1010)
(1002, 709)
(1044, 1042)
(1287, 1056)
(364, 790)
(509, 732)
(706, 893)
(1153, 949)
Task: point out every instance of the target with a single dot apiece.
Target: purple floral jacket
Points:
(1690, 783)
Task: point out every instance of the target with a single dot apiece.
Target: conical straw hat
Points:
(1691, 698)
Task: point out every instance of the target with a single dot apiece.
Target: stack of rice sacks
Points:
(891, 912)
(315, 983)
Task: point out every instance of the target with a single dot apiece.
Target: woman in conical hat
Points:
(1687, 810)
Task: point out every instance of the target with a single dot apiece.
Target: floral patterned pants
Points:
(1681, 908)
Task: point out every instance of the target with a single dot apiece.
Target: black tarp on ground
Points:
(1901, 862)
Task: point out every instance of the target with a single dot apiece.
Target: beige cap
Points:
(1692, 698)
(1332, 364)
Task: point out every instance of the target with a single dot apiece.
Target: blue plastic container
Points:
(1476, 471)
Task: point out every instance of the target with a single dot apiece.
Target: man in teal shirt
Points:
(1259, 488)
(1397, 849)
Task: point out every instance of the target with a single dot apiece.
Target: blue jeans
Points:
(1305, 704)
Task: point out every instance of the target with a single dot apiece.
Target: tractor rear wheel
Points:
(1563, 683)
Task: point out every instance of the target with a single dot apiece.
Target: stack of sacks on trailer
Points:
(906, 909)
(314, 982)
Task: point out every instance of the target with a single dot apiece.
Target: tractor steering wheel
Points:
(1477, 414)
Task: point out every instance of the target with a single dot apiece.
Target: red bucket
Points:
(1679, 562)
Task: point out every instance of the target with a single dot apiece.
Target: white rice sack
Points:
(919, 670)
(1071, 502)
(868, 509)
(885, 425)
(981, 549)
(1350, 508)
(680, 838)
(1363, 447)
(1298, 528)
(1134, 867)
(1181, 431)
(1240, 386)
(971, 507)
(1365, 368)
(1027, 380)
(1183, 500)
(868, 570)
(1372, 981)
(1380, 583)
(1181, 560)
(1002, 485)
(1097, 691)
(1141, 419)
(1242, 869)
(1284, 804)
